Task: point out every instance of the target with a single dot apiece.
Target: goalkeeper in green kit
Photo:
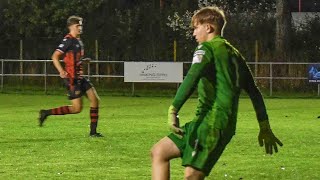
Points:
(219, 72)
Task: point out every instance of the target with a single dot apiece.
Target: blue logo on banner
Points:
(314, 73)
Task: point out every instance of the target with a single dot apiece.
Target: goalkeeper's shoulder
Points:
(205, 46)
(202, 53)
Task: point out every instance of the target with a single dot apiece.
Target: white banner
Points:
(153, 72)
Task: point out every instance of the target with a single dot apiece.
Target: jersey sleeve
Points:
(254, 93)
(201, 59)
(64, 45)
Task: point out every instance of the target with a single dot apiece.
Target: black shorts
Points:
(77, 87)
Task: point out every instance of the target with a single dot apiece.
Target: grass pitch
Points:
(131, 125)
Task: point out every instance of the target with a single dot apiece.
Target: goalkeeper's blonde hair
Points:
(211, 15)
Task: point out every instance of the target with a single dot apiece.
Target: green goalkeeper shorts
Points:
(200, 149)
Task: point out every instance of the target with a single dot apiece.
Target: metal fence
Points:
(269, 73)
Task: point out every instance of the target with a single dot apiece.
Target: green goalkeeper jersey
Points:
(219, 72)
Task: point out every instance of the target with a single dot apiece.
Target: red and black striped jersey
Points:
(73, 51)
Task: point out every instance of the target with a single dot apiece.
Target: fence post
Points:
(256, 58)
(270, 81)
(175, 50)
(21, 57)
(89, 70)
(45, 77)
(97, 59)
(132, 89)
(2, 74)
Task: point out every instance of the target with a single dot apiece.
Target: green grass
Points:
(131, 125)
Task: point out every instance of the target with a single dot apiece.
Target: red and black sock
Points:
(94, 116)
(59, 111)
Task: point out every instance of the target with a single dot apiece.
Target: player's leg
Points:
(74, 95)
(197, 153)
(193, 174)
(93, 97)
(74, 108)
(94, 111)
(200, 164)
(161, 154)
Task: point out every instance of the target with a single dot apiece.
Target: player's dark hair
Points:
(211, 15)
(74, 20)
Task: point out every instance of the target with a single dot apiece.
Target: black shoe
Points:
(96, 135)
(42, 117)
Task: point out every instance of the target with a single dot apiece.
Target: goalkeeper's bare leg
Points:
(161, 154)
(192, 174)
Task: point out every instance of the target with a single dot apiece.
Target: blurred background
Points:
(279, 38)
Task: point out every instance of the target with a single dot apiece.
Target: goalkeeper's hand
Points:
(173, 121)
(86, 60)
(267, 138)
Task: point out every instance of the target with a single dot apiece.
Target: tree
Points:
(33, 17)
(248, 21)
(162, 3)
(283, 30)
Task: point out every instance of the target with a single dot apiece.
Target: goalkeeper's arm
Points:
(266, 136)
(185, 90)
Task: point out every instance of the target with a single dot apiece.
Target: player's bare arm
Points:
(55, 58)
